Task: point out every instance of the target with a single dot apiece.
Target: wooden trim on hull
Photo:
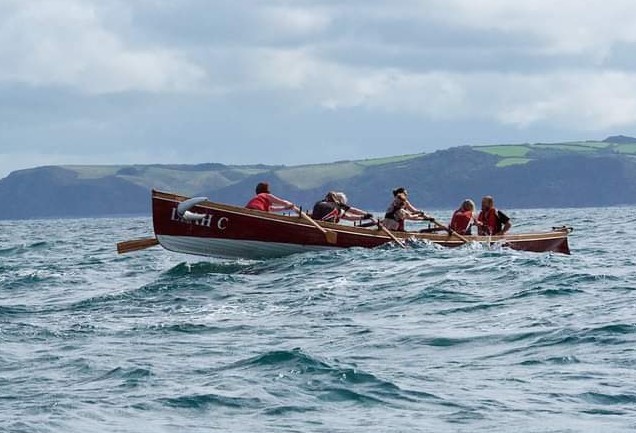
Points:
(230, 224)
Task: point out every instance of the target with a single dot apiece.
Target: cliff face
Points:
(529, 175)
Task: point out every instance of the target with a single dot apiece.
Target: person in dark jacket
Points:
(334, 207)
(398, 212)
(407, 205)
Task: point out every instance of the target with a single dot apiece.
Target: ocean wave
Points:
(10, 250)
(554, 360)
(608, 399)
(480, 307)
(204, 401)
(97, 301)
(284, 410)
(25, 248)
(161, 291)
(14, 310)
(443, 290)
(328, 381)
(205, 268)
(423, 340)
(189, 328)
(603, 334)
(341, 394)
(296, 357)
(118, 376)
(549, 292)
(31, 279)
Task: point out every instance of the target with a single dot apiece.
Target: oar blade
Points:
(332, 237)
(136, 245)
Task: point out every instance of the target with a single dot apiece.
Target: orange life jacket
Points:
(461, 221)
(491, 225)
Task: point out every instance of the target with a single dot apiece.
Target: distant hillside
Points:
(620, 139)
(573, 174)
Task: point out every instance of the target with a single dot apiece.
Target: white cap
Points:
(341, 197)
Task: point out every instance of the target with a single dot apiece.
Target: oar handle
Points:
(306, 217)
(388, 232)
(331, 237)
(450, 230)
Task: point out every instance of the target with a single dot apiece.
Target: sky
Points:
(306, 81)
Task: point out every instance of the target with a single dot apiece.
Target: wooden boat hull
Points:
(234, 232)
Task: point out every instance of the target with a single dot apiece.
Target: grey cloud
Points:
(23, 105)
(259, 127)
(226, 23)
(367, 34)
(459, 59)
(622, 56)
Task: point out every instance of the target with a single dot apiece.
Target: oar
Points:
(450, 230)
(136, 245)
(388, 232)
(332, 237)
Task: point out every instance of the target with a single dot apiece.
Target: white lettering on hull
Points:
(206, 221)
(222, 223)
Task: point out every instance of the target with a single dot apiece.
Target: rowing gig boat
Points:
(201, 227)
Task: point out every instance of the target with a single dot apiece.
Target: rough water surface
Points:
(423, 339)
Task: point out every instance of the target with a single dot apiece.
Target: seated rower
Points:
(408, 206)
(397, 213)
(490, 220)
(463, 218)
(334, 207)
(267, 202)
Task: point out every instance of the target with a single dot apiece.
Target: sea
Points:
(424, 339)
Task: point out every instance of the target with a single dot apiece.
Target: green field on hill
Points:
(505, 151)
(516, 154)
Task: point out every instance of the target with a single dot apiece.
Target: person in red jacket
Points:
(266, 201)
(463, 218)
(490, 220)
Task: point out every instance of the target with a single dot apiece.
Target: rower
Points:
(334, 207)
(397, 213)
(463, 218)
(266, 201)
(408, 206)
(490, 220)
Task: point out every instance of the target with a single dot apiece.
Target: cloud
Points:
(584, 99)
(65, 43)
(295, 21)
(570, 27)
(511, 63)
